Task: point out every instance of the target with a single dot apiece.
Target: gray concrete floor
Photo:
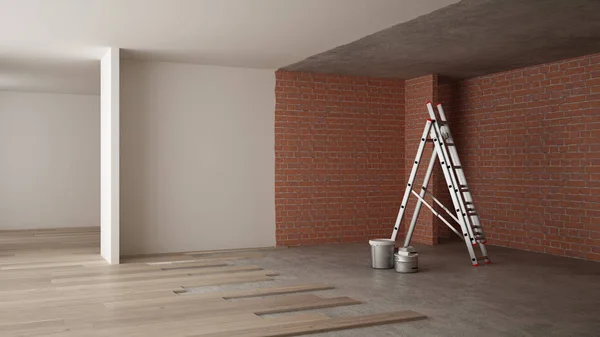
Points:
(519, 294)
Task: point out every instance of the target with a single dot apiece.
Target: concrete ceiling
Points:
(470, 38)
(55, 45)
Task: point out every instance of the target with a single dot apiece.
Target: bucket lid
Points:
(382, 242)
(409, 249)
(405, 257)
(406, 251)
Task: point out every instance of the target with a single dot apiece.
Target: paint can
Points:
(382, 253)
(406, 260)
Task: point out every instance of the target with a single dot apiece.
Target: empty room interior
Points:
(264, 168)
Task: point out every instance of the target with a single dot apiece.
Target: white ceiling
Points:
(55, 45)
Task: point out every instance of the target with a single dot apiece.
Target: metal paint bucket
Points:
(406, 260)
(382, 253)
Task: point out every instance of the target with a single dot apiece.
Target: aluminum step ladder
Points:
(437, 132)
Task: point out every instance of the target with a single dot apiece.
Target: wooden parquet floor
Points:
(54, 283)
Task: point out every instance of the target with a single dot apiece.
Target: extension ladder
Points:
(437, 131)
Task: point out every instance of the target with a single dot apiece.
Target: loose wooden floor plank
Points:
(23, 259)
(184, 259)
(174, 327)
(235, 256)
(302, 328)
(53, 264)
(191, 265)
(274, 291)
(186, 262)
(233, 251)
(47, 270)
(155, 258)
(217, 309)
(108, 270)
(184, 327)
(187, 257)
(160, 274)
(226, 270)
(307, 318)
(208, 310)
(177, 281)
(235, 294)
(320, 304)
(34, 326)
(54, 294)
(50, 300)
(278, 304)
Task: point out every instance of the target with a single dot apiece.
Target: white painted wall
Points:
(109, 152)
(197, 157)
(49, 160)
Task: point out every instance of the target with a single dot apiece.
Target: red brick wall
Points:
(418, 91)
(339, 153)
(529, 140)
(446, 95)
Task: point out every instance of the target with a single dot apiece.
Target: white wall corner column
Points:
(109, 156)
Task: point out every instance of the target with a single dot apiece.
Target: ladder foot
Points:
(476, 265)
(488, 262)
